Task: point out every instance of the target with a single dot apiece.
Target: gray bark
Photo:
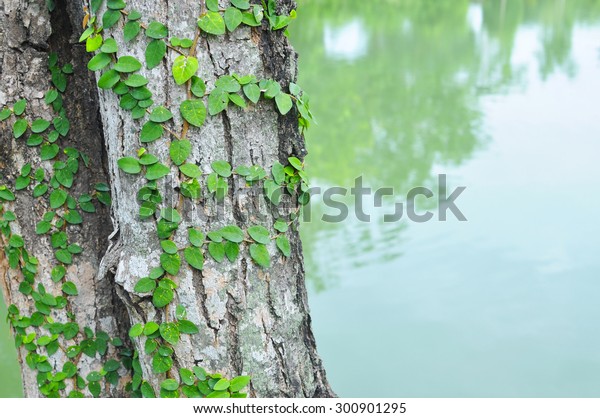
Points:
(251, 321)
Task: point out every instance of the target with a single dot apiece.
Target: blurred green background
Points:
(502, 96)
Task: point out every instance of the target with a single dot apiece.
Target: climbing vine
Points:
(37, 331)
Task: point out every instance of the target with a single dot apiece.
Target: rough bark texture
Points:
(27, 35)
(251, 321)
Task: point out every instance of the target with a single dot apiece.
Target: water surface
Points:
(502, 96)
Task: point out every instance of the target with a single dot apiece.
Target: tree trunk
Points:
(252, 321)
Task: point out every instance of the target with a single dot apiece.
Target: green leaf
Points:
(241, 4)
(295, 162)
(217, 251)
(148, 159)
(232, 233)
(136, 330)
(161, 364)
(162, 297)
(222, 384)
(42, 227)
(112, 365)
(157, 30)
(247, 79)
(109, 79)
(70, 289)
(184, 68)
(58, 198)
(136, 80)
(187, 377)
(187, 327)
(155, 52)
(147, 391)
(19, 107)
(61, 124)
(228, 83)
(22, 182)
(191, 170)
(99, 61)
(212, 5)
(239, 383)
(260, 255)
(94, 387)
(170, 332)
(169, 384)
(73, 217)
(147, 209)
(48, 151)
(278, 172)
(94, 377)
(50, 97)
(127, 64)
(222, 168)
(237, 100)
(180, 312)
(194, 257)
(151, 131)
(150, 328)
(233, 18)
(171, 263)
(284, 245)
(129, 165)
(198, 86)
(273, 88)
(145, 285)
(109, 46)
(19, 128)
(5, 113)
(39, 126)
(217, 101)
(284, 103)
(65, 177)
(169, 246)
(86, 34)
(193, 111)
(160, 114)
(213, 23)
(281, 226)
(170, 215)
(6, 194)
(16, 241)
(93, 43)
(273, 191)
(131, 30)
(64, 256)
(195, 237)
(115, 4)
(58, 273)
(259, 234)
(179, 151)
(232, 250)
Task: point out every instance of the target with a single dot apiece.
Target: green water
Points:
(503, 97)
(10, 377)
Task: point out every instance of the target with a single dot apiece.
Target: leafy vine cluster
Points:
(38, 332)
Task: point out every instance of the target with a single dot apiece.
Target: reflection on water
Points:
(500, 96)
(10, 379)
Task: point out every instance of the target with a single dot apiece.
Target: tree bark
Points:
(27, 36)
(252, 321)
